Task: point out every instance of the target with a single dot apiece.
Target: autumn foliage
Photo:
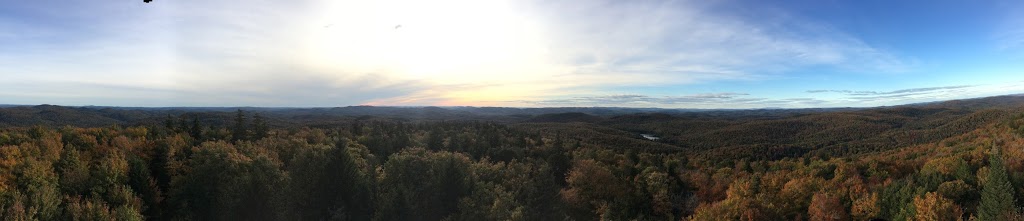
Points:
(188, 168)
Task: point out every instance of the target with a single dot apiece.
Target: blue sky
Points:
(672, 54)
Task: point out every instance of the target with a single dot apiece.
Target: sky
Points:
(516, 53)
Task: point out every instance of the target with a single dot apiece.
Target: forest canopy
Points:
(937, 162)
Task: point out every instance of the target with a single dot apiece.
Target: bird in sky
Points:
(147, 1)
(398, 26)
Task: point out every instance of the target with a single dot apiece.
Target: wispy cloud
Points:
(817, 98)
(910, 95)
(687, 41)
(910, 91)
(323, 53)
(711, 100)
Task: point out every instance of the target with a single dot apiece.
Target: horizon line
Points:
(552, 107)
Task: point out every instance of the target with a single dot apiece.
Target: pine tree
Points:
(196, 131)
(259, 127)
(997, 193)
(239, 131)
(182, 124)
(169, 122)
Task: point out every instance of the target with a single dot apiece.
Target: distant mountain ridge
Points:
(99, 116)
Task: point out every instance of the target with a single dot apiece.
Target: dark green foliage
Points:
(958, 191)
(240, 130)
(897, 200)
(73, 172)
(435, 140)
(259, 127)
(169, 123)
(997, 202)
(227, 185)
(196, 130)
(326, 183)
(141, 181)
(421, 185)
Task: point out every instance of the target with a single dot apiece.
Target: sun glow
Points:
(446, 42)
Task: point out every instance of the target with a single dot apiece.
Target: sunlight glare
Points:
(448, 41)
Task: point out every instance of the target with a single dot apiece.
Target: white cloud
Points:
(691, 41)
(865, 98)
(456, 52)
(706, 101)
(734, 100)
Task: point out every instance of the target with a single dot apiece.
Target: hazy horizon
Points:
(579, 53)
(480, 106)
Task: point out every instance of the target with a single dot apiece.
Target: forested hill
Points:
(99, 116)
(752, 133)
(90, 116)
(833, 133)
(955, 160)
(94, 116)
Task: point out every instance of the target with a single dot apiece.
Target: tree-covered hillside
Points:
(943, 161)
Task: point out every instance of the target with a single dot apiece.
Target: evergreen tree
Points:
(348, 192)
(996, 193)
(435, 141)
(239, 131)
(182, 124)
(196, 131)
(169, 122)
(259, 127)
(141, 181)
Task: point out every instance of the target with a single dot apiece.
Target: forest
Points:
(956, 160)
